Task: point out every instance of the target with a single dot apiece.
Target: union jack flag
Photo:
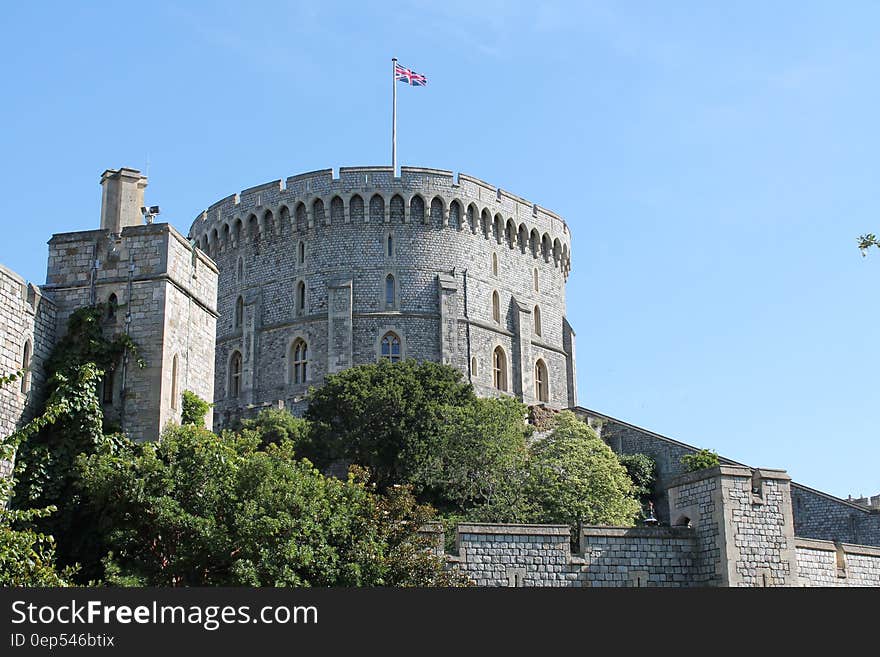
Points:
(403, 74)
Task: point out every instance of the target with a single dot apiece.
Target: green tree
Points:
(576, 477)
(867, 241)
(193, 409)
(642, 470)
(199, 509)
(478, 466)
(383, 416)
(275, 425)
(701, 460)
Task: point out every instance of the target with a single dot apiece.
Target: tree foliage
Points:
(642, 470)
(193, 409)
(382, 416)
(274, 426)
(200, 509)
(576, 477)
(705, 458)
(867, 241)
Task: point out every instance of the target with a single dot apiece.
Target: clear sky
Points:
(715, 162)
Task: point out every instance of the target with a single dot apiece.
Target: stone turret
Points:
(122, 199)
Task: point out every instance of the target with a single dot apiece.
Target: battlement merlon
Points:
(306, 187)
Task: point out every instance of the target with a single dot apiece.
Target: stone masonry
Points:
(474, 271)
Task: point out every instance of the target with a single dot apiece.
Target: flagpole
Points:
(394, 116)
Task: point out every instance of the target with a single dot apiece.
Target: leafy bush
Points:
(193, 409)
(642, 470)
(274, 425)
(574, 476)
(701, 460)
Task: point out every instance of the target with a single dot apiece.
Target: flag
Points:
(403, 74)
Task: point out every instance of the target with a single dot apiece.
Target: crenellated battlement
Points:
(374, 195)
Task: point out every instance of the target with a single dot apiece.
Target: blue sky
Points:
(715, 162)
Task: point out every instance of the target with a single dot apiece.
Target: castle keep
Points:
(322, 272)
(284, 283)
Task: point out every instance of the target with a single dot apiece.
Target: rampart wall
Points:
(815, 514)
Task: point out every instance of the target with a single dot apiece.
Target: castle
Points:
(284, 283)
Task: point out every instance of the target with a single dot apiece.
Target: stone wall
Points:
(815, 514)
(541, 555)
(736, 531)
(448, 243)
(824, 563)
(27, 335)
(164, 294)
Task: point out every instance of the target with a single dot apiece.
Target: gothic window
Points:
(454, 215)
(301, 253)
(112, 305)
(285, 219)
(389, 246)
(417, 209)
(499, 369)
(474, 367)
(301, 297)
(337, 210)
(390, 291)
(494, 264)
(26, 367)
(174, 374)
(535, 277)
(235, 375)
(318, 211)
(390, 347)
(537, 314)
(377, 209)
(239, 270)
(541, 392)
(299, 360)
(238, 319)
(302, 221)
(496, 307)
(397, 209)
(437, 211)
(356, 208)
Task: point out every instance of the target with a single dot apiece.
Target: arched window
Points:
(26, 367)
(112, 306)
(537, 314)
(337, 210)
(356, 208)
(390, 347)
(494, 264)
(318, 211)
(499, 369)
(541, 392)
(174, 383)
(397, 212)
(239, 270)
(301, 253)
(454, 215)
(235, 375)
(389, 246)
(496, 307)
(474, 367)
(299, 361)
(301, 297)
(535, 276)
(377, 209)
(238, 318)
(417, 209)
(390, 291)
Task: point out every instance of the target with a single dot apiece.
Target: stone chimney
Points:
(122, 199)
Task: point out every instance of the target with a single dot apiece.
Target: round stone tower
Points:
(319, 273)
